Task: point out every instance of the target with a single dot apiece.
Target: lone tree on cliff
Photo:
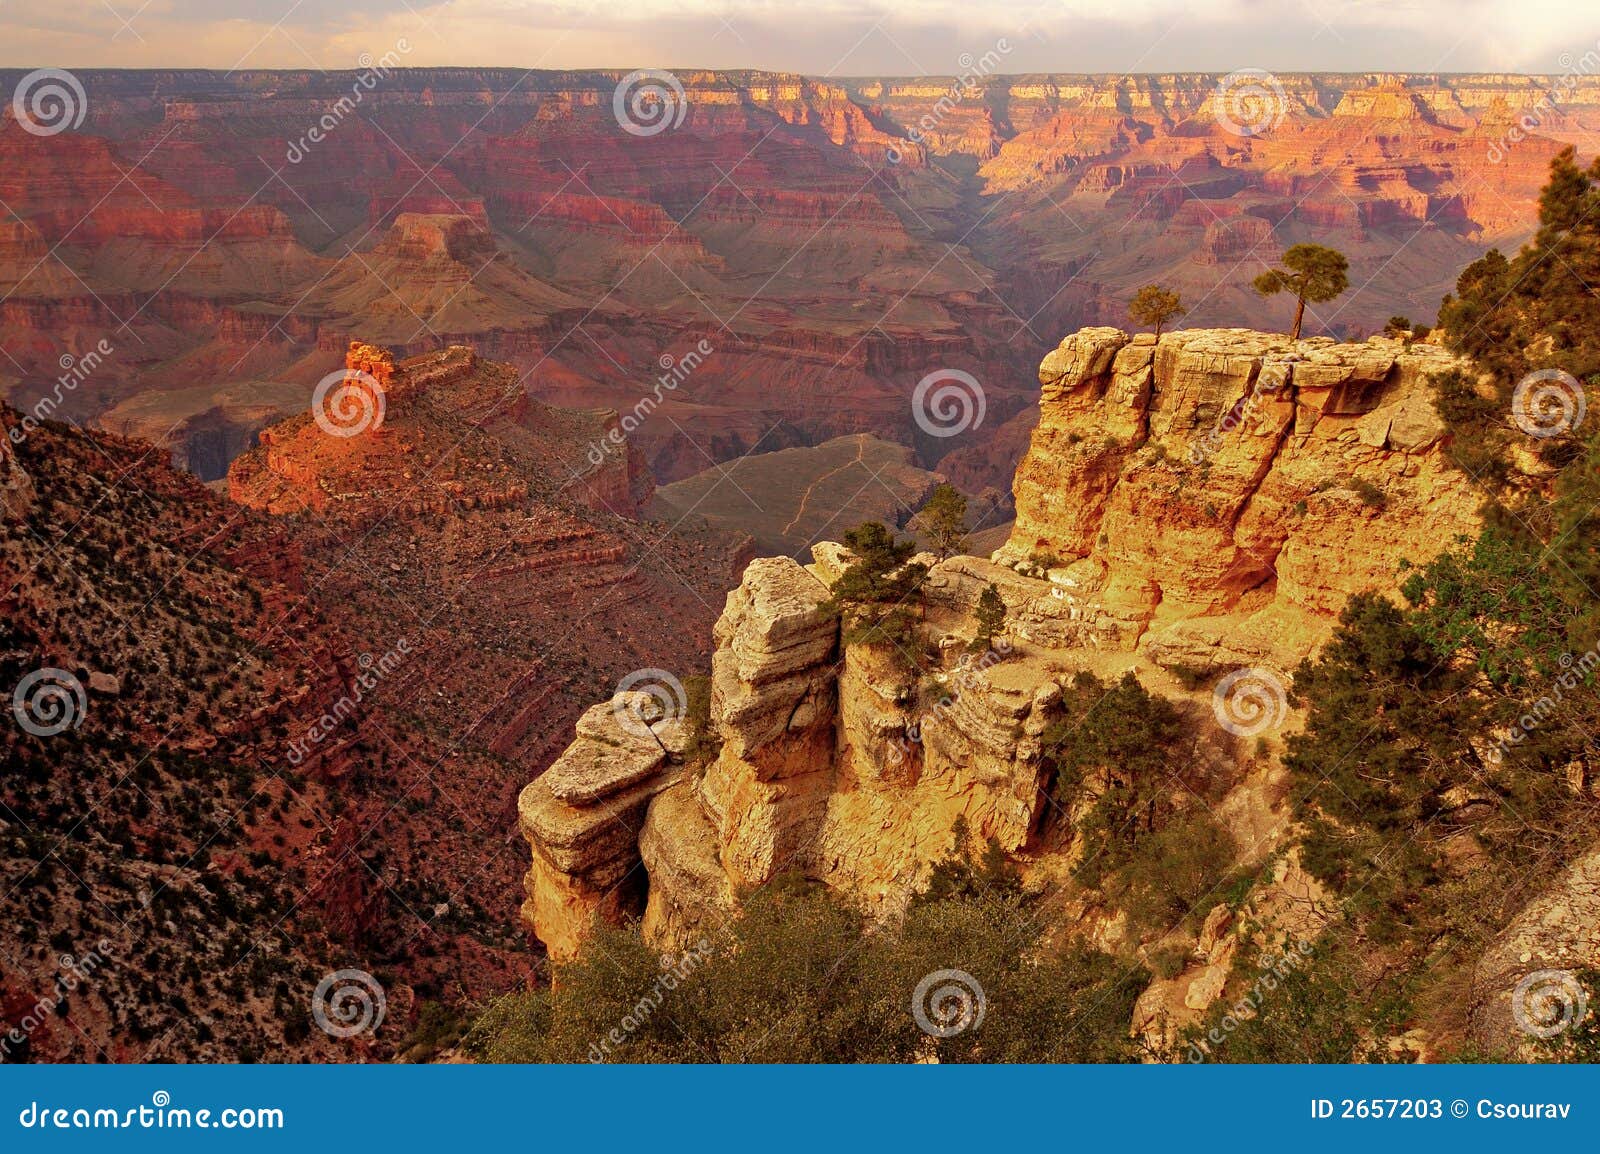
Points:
(1312, 273)
(944, 520)
(873, 595)
(991, 618)
(1155, 306)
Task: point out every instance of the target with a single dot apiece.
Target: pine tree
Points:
(1312, 273)
(1155, 306)
(943, 520)
(874, 596)
(991, 617)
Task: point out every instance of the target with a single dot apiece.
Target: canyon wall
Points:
(832, 242)
(1217, 496)
(1205, 498)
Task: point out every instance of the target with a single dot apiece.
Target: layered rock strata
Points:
(1207, 499)
(831, 765)
(584, 814)
(1218, 495)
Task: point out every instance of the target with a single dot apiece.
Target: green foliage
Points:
(873, 596)
(1176, 875)
(1371, 496)
(1537, 310)
(1292, 1007)
(991, 615)
(799, 978)
(1155, 306)
(1309, 272)
(1112, 758)
(944, 520)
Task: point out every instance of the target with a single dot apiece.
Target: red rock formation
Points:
(510, 212)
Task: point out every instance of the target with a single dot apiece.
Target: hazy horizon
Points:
(890, 38)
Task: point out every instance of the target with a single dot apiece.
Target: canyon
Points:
(493, 393)
(834, 241)
(1190, 509)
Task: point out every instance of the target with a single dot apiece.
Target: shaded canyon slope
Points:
(297, 720)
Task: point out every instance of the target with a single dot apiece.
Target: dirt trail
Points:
(800, 510)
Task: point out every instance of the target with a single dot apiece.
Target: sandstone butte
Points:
(1207, 500)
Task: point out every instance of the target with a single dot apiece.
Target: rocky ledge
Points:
(1215, 496)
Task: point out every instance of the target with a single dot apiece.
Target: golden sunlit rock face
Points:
(1205, 500)
(1217, 495)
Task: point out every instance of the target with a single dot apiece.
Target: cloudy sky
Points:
(820, 37)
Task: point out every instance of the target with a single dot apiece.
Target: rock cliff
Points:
(1208, 499)
(1215, 497)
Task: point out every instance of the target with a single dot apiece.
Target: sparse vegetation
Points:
(800, 979)
(943, 520)
(1155, 306)
(991, 615)
(1308, 272)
